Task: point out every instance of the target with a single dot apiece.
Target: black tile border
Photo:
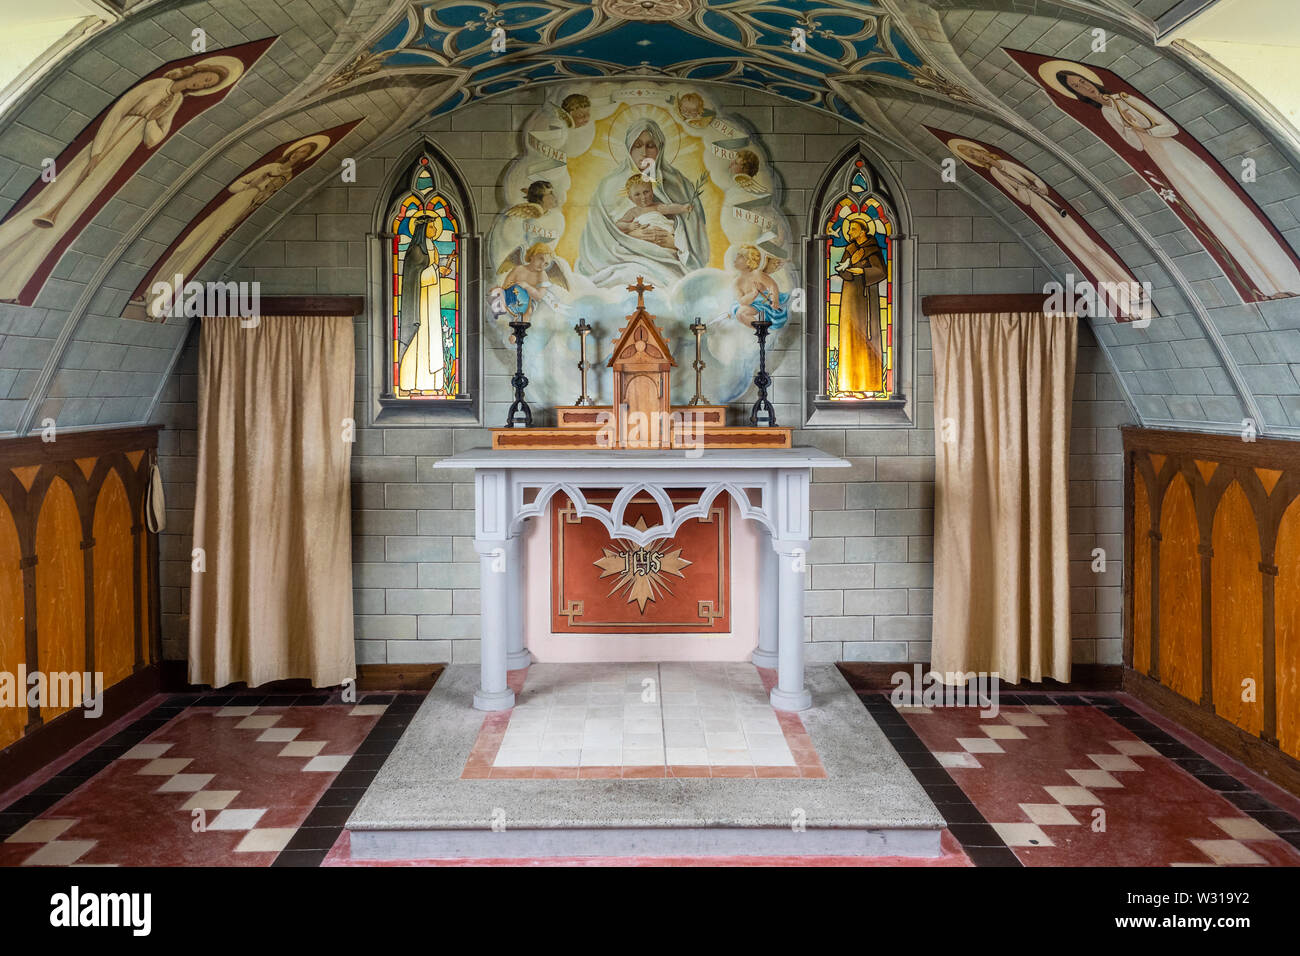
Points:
(982, 852)
(381, 740)
(323, 826)
(979, 841)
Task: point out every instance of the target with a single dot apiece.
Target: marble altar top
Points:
(624, 458)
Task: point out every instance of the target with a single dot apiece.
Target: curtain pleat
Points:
(273, 598)
(1003, 386)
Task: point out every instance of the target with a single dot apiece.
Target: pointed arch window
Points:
(857, 360)
(428, 326)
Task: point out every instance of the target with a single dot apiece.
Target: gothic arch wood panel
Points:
(60, 587)
(1287, 630)
(1237, 611)
(1180, 591)
(114, 581)
(13, 714)
(1142, 545)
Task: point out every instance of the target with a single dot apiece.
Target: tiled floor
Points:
(1051, 780)
(1064, 780)
(616, 719)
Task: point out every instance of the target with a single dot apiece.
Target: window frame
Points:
(819, 411)
(385, 407)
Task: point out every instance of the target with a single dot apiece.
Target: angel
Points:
(536, 271)
(691, 109)
(743, 168)
(757, 293)
(539, 199)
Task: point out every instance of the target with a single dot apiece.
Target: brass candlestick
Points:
(698, 328)
(583, 330)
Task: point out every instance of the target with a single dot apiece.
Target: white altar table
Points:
(769, 486)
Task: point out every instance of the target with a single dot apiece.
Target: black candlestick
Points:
(762, 381)
(520, 414)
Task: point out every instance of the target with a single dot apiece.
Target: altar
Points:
(769, 487)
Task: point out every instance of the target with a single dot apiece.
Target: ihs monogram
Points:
(640, 570)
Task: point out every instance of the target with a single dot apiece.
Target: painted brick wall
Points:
(869, 597)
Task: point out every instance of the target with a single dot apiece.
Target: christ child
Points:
(651, 220)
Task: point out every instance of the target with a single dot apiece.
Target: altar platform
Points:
(643, 759)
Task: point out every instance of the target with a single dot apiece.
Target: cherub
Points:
(537, 272)
(756, 291)
(577, 110)
(690, 107)
(539, 199)
(650, 220)
(743, 168)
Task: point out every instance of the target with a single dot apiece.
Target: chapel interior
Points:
(563, 432)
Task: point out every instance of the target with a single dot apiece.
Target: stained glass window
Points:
(425, 272)
(859, 290)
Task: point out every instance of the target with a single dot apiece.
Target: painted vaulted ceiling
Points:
(355, 73)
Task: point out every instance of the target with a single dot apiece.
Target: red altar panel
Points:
(674, 585)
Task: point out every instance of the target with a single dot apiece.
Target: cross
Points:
(640, 289)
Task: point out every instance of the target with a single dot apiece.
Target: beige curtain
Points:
(271, 509)
(1002, 391)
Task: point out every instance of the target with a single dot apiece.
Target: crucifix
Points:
(640, 289)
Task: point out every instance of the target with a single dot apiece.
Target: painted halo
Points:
(639, 113)
(1047, 72)
(231, 66)
(960, 147)
(319, 144)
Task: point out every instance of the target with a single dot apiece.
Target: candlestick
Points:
(698, 328)
(583, 330)
(761, 379)
(520, 415)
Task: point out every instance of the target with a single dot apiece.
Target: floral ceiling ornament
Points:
(648, 10)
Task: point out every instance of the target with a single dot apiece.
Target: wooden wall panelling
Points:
(115, 570)
(1223, 519)
(61, 600)
(13, 714)
(77, 568)
(1286, 619)
(1237, 605)
(1180, 617)
(1140, 545)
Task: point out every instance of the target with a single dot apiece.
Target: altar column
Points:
(517, 656)
(791, 529)
(792, 568)
(766, 654)
(498, 575)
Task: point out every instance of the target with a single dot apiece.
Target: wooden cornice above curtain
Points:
(1003, 385)
(272, 518)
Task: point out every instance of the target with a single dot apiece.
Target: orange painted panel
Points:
(114, 583)
(1237, 613)
(1141, 576)
(60, 591)
(26, 474)
(13, 631)
(1287, 620)
(1269, 478)
(1180, 592)
(146, 599)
